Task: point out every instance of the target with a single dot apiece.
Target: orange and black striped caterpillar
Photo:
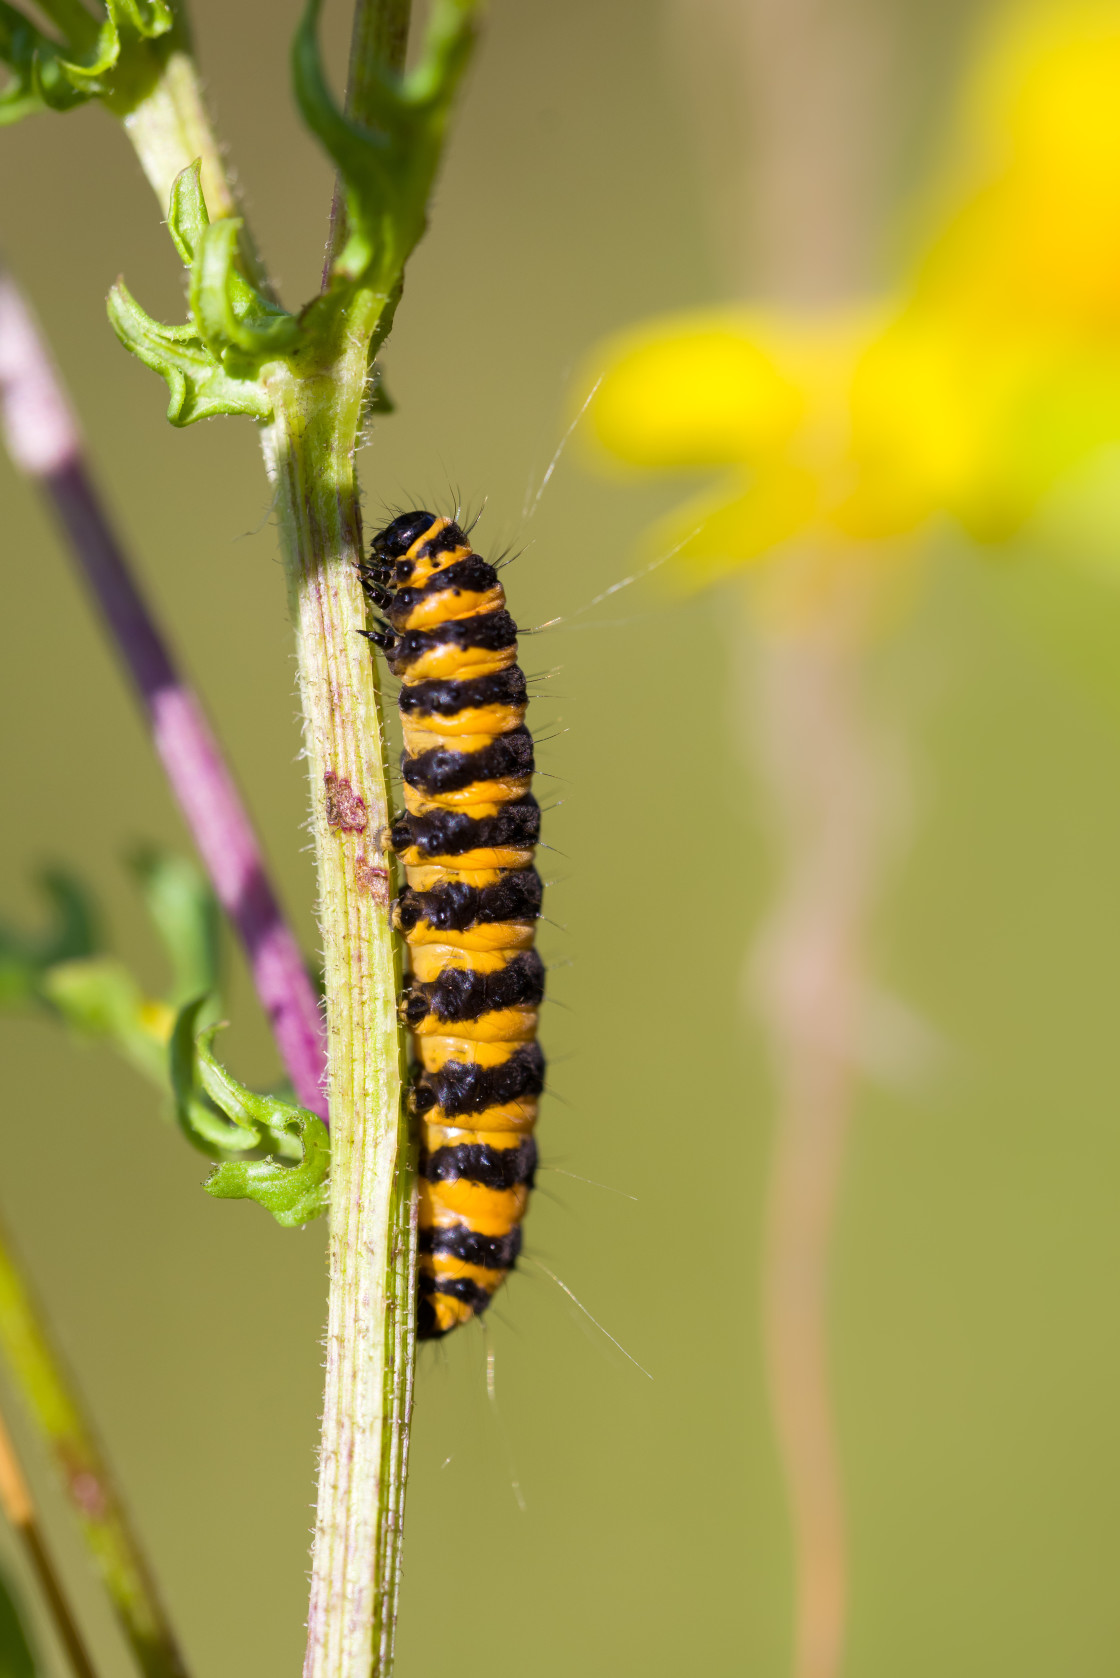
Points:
(469, 909)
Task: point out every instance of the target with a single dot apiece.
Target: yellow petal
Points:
(916, 428)
(1034, 228)
(693, 391)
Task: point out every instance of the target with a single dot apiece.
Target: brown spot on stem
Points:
(89, 1494)
(346, 809)
(370, 876)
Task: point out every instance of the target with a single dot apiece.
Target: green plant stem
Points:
(171, 123)
(379, 37)
(37, 1373)
(169, 126)
(310, 448)
(309, 451)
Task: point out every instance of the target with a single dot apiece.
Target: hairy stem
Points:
(43, 440)
(20, 1512)
(371, 1328)
(355, 1559)
(39, 1377)
(309, 450)
(169, 127)
(171, 123)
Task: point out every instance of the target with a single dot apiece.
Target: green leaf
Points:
(187, 215)
(149, 18)
(16, 1658)
(75, 932)
(212, 362)
(100, 1000)
(199, 385)
(77, 26)
(387, 162)
(185, 912)
(229, 314)
(294, 1194)
(96, 56)
(72, 933)
(207, 1096)
(20, 41)
(202, 1124)
(253, 1113)
(84, 67)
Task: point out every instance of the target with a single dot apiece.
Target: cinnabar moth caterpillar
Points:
(466, 839)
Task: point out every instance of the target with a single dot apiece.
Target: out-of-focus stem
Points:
(39, 1377)
(19, 1509)
(818, 768)
(43, 440)
(813, 71)
(810, 76)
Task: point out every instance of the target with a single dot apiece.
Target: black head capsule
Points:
(396, 538)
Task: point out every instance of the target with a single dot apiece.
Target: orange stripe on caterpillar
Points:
(466, 838)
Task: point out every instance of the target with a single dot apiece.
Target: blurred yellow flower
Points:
(993, 374)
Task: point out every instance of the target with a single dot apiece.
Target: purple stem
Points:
(44, 442)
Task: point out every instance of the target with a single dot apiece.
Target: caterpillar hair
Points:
(469, 909)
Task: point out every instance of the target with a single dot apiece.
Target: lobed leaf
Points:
(294, 1194)
(149, 18)
(66, 969)
(220, 1116)
(199, 386)
(202, 1123)
(100, 1000)
(96, 56)
(212, 362)
(237, 325)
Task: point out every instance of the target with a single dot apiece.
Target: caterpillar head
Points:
(412, 549)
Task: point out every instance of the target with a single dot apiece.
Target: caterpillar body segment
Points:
(468, 911)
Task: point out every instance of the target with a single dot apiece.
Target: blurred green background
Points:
(975, 1330)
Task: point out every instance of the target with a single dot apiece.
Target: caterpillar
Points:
(466, 838)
